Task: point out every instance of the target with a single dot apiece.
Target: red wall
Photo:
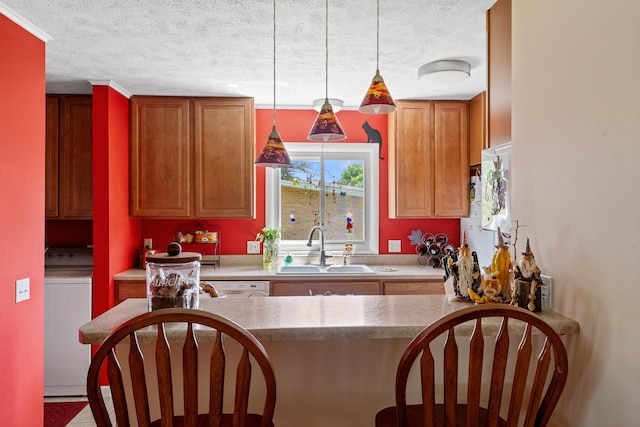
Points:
(294, 125)
(115, 234)
(22, 141)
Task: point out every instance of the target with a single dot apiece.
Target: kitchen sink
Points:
(299, 269)
(326, 269)
(350, 269)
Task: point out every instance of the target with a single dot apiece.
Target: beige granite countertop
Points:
(320, 317)
(249, 267)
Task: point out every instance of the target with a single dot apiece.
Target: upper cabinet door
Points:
(51, 160)
(411, 160)
(224, 155)
(161, 157)
(499, 72)
(477, 128)
(451, 159)
(76, 162)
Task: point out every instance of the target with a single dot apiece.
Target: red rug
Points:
(59, 414)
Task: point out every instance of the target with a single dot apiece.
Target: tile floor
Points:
(84, 418)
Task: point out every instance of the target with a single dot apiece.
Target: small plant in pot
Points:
(271, 238)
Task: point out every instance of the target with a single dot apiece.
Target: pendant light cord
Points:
(274, 63)
(326, 50)
(378, 35)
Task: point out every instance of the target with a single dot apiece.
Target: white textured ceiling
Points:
(225, 47)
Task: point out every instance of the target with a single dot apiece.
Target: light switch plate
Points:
(23, 291)
(253, 247)
(395, 246)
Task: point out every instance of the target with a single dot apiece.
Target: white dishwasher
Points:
(67, 306)
(240, 288)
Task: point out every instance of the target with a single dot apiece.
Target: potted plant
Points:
(271, 238)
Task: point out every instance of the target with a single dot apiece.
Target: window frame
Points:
(358, 151)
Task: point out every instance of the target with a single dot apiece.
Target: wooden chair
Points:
(528, 400)
(158, 320)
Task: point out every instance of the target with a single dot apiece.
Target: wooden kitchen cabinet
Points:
(192, 157)
(413, 287)
(429, 159)
(224, 156)
(161, 157)
(51, 157)
(69, 162)
(477, 128)
(125, 289)
(499, 72)
(325, 287)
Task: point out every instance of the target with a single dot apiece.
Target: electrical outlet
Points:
(394, 246)
(23, 292)
(253, 247)
(545, 291)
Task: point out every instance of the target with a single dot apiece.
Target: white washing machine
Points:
(67, 306)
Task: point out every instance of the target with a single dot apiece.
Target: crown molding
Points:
(113, 85)
(22, 22)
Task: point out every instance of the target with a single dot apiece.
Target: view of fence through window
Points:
(339, 205)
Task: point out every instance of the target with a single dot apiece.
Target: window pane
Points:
(334, 198)
(344, 200)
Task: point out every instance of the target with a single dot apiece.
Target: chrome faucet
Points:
(323, 256)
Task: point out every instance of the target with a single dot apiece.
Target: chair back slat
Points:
(186, 352)
(523, 360)
(427, 377)
(450, 378)
(476, 358)
(498, 371)
(163, 371)
(117, 390)
(216, 372)
(190, 377)
(508, 389)
(542, 367)
(243, 375)
(138, 381)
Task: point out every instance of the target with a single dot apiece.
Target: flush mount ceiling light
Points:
(274, 154)
(377, 100)
(335, 103)
(326, 127)
(444, 72)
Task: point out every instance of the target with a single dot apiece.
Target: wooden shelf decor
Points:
(201, 237)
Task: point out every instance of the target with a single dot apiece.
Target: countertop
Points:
(393, 267)
(320, 317)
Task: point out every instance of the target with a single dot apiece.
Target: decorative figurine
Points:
(465, 270)
(528, 281)
(496, 286)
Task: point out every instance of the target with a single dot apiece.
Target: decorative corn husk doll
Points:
(527, 281)
(465, 270)
(496, 285)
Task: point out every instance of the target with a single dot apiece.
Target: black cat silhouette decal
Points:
(374, 137)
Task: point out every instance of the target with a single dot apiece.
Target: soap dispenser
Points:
(288, 259)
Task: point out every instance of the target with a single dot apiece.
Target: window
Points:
(334, 185)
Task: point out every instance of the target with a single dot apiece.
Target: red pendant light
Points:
(274, 154)
(377, 100)
(326, 126)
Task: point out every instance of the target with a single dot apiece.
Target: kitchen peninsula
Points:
(335, 357)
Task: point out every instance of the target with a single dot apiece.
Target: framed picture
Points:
(496, 190)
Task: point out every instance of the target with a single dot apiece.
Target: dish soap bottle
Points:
(288, 259)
